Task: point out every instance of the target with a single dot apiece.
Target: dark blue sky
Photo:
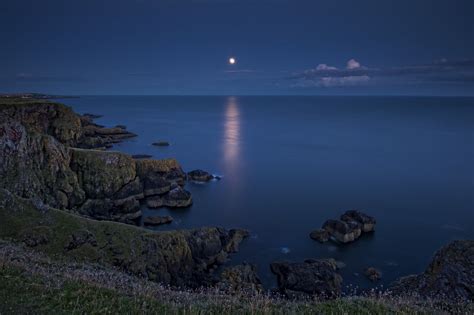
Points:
(423, 47)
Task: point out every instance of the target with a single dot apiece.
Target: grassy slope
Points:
(23, 292)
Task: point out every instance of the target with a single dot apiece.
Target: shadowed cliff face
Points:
(39, 159)
(47, 177)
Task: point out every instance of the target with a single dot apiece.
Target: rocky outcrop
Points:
(341, 231)
(158, 220)
(39, 158)
(100, 137)
(311, 277)
(357, 218)
(450, 275)
(178, 258)
(240, 278)
(200, 176)
(36, 165)
(163, 181)
(349, 228)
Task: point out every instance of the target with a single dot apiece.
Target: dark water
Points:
(290, 163)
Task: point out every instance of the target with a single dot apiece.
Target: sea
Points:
(289, 163)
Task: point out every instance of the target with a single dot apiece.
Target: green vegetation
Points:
(78, 289)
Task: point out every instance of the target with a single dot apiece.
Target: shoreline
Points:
(94, 137)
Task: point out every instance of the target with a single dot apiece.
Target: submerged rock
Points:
(158, 220)
(200, 176)
(311, 277)
(450, 275)
(373, 274)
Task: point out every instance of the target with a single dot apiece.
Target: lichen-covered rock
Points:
(175, 198)
(40, 158)
(311, 277)
(34, 164)
(168, 169)
(44, 117)
(450, 275)
(240, 278)
(103, 174)
(155, 184)
(110, 183)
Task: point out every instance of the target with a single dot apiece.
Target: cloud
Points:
(329, 76)
(439, 71)
(324, 66)
(352, 64)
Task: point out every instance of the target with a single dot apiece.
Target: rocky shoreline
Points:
(61, 187)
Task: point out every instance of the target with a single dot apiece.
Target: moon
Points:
(232, 60)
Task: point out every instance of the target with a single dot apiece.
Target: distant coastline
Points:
(37, 96)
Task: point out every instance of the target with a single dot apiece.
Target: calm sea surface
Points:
(290, 163)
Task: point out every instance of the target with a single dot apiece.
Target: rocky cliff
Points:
(42, 155)
(56, 181)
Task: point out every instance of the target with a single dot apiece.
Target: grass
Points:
(21, 292)
(32, 282)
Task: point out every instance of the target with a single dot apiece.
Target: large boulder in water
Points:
(340, 230)
(200, 176)
(450, 275)
(349, 228)
(311, 277)
(367, 222)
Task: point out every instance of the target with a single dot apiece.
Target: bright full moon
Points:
(232, 60)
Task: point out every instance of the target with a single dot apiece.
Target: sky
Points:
(182, 47)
